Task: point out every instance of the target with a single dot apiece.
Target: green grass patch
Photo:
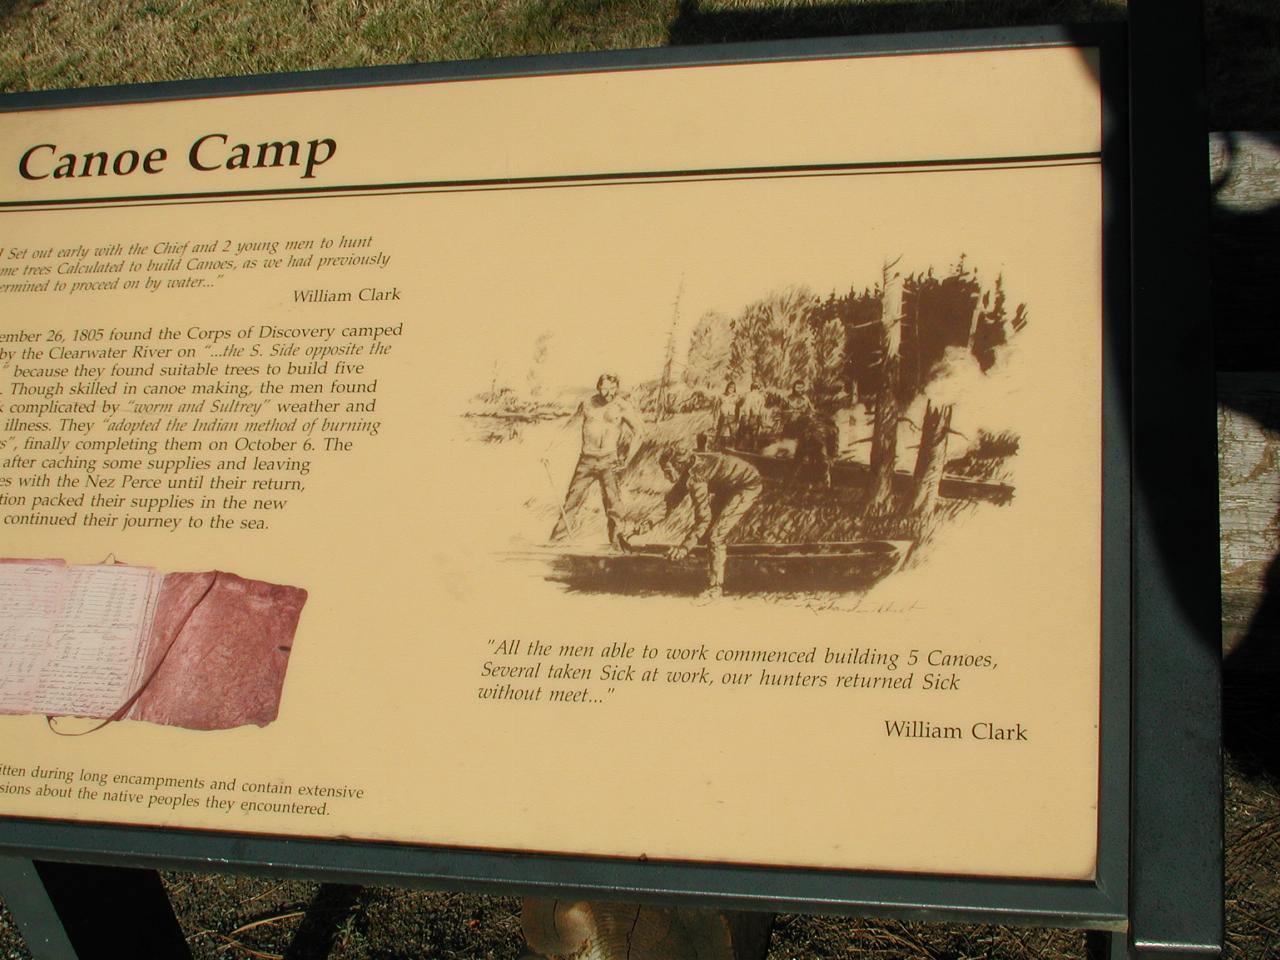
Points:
(60, 43)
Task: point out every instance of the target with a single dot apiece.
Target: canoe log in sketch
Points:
(749, 568)
(851, 473)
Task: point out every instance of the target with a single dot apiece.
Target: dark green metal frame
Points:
(1140, 616)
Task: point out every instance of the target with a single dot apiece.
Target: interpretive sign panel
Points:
(697, 462)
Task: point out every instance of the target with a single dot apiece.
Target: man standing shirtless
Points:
(751, 418)
(726, 426)
(604, 453)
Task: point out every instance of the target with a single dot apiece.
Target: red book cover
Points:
(205, 651)
(219, 650)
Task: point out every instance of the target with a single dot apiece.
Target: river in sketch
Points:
(528, 464)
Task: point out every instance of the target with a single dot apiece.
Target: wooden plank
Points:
(1244, 242)
(1248, 497)
(1245, 172)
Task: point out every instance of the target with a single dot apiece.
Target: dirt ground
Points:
(389, 924)
(235, 917)
(252, 917)
(246, 917)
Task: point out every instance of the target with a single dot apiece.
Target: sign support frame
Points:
(1106, 905)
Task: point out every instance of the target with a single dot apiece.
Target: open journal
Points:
(206, 651)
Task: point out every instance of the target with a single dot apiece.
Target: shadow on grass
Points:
(1241, 66)
(694, 25)
(332, 906)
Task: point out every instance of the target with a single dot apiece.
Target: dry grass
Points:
(83, 42)
(73, 43)
(67, 43)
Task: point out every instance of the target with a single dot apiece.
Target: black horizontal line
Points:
(568, 180)
(388, 191)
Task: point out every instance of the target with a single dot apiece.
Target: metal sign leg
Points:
(69, 911)
(25, 895)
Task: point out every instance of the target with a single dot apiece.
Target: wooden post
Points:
(884, 441)
(931, 458)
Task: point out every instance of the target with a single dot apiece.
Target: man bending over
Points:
(722, 489)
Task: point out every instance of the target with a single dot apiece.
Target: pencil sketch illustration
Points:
(800, 446)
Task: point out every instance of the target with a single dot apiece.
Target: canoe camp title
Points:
(213, 151)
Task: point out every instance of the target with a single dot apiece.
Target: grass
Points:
(46, 44)
(74, 43)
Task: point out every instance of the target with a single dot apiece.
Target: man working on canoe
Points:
(606, 450)
(721, 488)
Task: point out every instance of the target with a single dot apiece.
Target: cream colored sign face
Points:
(693, 463)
